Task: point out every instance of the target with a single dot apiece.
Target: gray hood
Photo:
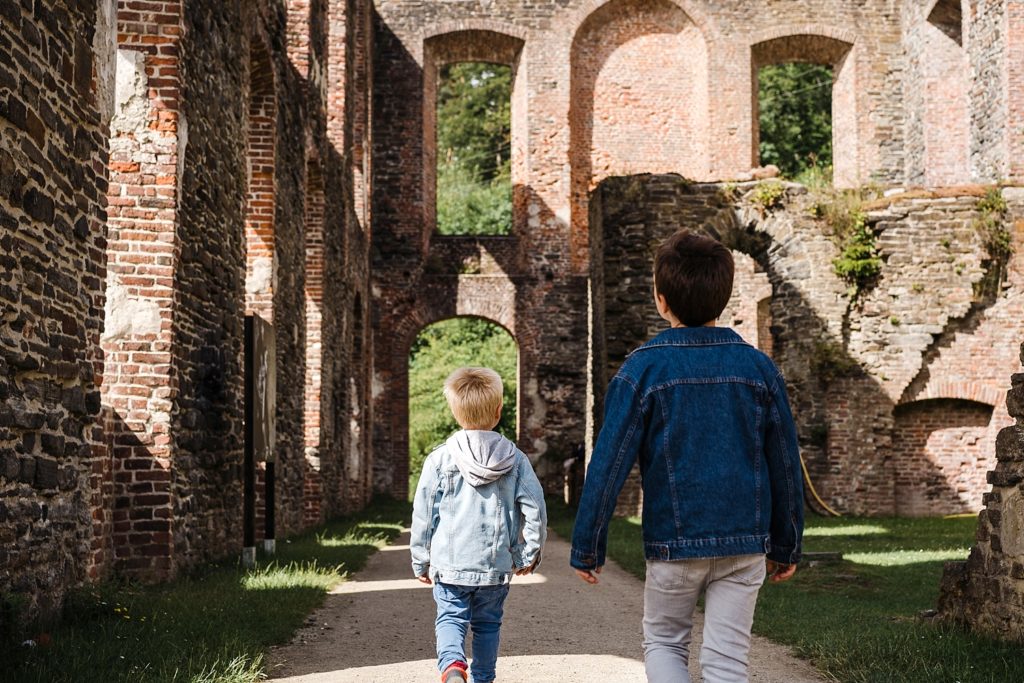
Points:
(481, 456)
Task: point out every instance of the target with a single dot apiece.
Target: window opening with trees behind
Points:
(795, 120)
(474, 149)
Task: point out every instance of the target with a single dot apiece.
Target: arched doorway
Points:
(437, 350)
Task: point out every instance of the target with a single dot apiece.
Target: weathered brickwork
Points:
(229, 186)
(892, 418)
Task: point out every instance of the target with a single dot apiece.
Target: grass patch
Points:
(212, 626)
(858, 620)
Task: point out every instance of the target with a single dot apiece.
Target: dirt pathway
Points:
(379, 628)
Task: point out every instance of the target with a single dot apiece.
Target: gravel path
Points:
(379, 628)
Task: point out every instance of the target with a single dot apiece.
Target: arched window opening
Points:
(474, 149)
(805, 108)
(438, 350)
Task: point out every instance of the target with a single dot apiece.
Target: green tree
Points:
(474, 144)
(437, 351)
(795, 103)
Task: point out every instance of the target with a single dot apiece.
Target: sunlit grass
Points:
(846, 530)
(858, 620)
(903, 557)
(213, 625)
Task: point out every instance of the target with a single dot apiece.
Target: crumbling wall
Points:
(985, 592)
(858, 367)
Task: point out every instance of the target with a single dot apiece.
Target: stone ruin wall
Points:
(124, 277)
(122, 453)
(571, 61)
(986, 592)
(894, 414)
(53, 148)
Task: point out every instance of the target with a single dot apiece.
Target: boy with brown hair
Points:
(707, 417)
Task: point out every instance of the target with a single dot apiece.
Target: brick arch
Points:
(624, 117)
(693, 10)
(942, 448)
(815, 44)
(472, 45)
(496, 26)
(494, 301)
(976, 392)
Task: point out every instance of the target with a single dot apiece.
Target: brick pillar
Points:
(142, 250)
(261, 268)
(313, 507)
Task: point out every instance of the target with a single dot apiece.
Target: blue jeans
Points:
(458, 608)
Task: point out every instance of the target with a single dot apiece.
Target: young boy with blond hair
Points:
(706, 416)
(478, 518)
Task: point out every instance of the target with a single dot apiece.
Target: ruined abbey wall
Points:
(891, 416)
(167, 168)
(589, 103)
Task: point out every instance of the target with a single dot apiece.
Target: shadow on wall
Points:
(847, 419)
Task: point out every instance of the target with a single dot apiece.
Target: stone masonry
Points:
(169, 165)
(590, 102)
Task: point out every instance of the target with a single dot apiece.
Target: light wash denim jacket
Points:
(706, 414)
(477, 535)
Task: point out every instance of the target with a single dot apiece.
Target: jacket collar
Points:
(693, 336)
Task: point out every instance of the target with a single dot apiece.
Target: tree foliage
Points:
(438, 350)
(474, 144)
(795, 103)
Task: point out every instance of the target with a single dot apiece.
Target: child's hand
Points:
(588, 575)
(778, 572)
(424, 579)
(528, 570)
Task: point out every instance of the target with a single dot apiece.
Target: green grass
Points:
(858, 620)
(211, 626)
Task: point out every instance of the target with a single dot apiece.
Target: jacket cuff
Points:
(784, 554)
(420, 568)
(585, 559)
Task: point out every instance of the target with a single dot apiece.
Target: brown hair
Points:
(694, 273)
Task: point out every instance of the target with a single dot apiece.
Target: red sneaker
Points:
(455, 673)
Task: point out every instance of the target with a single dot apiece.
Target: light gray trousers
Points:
(730, 585)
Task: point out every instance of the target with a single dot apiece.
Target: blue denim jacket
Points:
(707, 416)
(476, 535)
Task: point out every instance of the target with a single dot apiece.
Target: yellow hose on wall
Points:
(810, 487)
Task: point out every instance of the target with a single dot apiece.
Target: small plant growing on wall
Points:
(997, 240)
(768, 195)
(858, 262)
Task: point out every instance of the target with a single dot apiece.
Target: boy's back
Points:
(706, 416)
(703, 411)
(477, 503)
(478, 519)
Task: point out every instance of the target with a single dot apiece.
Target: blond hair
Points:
(474, 395)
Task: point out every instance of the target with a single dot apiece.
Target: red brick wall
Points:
(142, 252)
(261, 264)
(941, 450)
(633, 64)
(946, 125)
